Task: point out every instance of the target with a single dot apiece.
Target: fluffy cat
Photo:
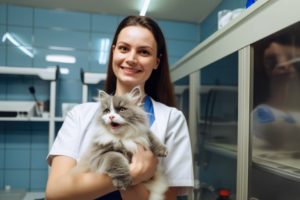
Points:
(123, 125)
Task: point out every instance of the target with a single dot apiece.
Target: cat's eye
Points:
(105, 111)
(121, 109)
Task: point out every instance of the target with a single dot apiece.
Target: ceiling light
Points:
(14, 41)
(145, 7)
(61, 48)
(61, 58)
(62, 70)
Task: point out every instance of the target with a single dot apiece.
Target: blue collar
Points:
(148, 107)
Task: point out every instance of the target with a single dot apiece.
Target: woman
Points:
(276, 118)
(138, 58)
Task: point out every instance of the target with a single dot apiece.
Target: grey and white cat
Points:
(123, 125)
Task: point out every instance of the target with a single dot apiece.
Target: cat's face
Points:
(121, 115)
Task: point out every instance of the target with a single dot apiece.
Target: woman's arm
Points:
(140, 192)
(171, 194)
(63, 184)
(142, 168)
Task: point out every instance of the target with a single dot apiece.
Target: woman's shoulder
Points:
(85, 107)
(163, 108)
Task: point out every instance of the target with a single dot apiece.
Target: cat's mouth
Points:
(115, 125)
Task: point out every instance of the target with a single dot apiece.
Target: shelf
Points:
(283, 166)
(59, 119)
(31, 119)
(179, 89)
(229, 123)
(228, 150)
(25, 119)
(280, 163)
(237, 34)
(49, 74)
(92, 78)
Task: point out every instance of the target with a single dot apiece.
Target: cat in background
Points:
(123, 126)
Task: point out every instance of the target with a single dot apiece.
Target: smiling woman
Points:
(134, 57)
(138, 57)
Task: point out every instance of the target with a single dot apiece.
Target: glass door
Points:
(217, 128)
(275, 117)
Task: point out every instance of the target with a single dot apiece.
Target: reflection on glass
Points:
(218, 102)
(218, 121)
(276, 116)
(182, 95)
(217, 127)
(275, 126)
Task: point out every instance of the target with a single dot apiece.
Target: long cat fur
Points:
(112, 148)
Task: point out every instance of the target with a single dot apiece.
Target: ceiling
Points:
(179, 10)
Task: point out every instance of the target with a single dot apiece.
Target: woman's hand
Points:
(143, 165)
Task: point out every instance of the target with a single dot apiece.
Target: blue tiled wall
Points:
(24, 145)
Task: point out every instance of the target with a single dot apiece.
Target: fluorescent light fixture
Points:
(145, 7)
(61, 58)
(62, 70)
(14, 41)
(61, 48)
(289, 62)
(104, 50)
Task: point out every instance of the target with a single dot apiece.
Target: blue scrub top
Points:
(148, 107)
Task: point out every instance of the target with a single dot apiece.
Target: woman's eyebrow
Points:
(146, 46)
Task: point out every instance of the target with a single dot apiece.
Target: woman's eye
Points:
(123, 48)
(105, 111)
(145, 52)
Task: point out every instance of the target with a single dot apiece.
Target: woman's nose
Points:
(131, 58)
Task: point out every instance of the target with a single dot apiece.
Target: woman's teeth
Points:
(135, 69)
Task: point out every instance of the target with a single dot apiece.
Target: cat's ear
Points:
(136, 95)
(101, 94)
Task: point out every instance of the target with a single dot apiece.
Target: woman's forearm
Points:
(79, 187)
(138, 191)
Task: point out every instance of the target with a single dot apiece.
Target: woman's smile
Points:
(131, 70)
(134, 56)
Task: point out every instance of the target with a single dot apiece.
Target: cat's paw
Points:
(122, 183)
(162, 152)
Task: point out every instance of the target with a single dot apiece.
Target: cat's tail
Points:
(157, 186)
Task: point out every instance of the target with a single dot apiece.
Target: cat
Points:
(123, 125)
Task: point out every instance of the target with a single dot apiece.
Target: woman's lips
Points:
(131, 69)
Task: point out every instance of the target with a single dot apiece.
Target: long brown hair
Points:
(159, 85)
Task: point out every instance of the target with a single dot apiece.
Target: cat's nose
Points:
(111, 117)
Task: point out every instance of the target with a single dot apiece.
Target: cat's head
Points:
(122, 115)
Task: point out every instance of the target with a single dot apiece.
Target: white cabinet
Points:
(46, 74)
(90, 78)
(233, 58)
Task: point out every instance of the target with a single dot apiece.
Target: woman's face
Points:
(134, 57)
(277, 60)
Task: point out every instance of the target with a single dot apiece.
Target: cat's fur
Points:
(123, 125)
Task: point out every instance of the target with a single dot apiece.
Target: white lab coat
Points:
(169, 126)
